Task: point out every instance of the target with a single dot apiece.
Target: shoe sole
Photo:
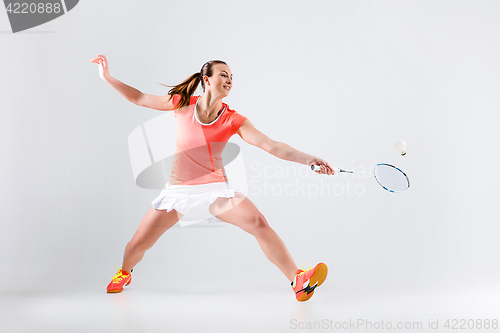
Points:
(114, 291)
(318, 278)
(319, 275)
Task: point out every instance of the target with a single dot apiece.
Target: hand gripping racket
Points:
(391, 178)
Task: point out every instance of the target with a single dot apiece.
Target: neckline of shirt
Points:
(196, 113)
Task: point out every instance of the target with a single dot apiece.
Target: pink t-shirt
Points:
(199, 146)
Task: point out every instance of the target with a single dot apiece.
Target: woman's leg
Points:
(241, 212)
(152, 226)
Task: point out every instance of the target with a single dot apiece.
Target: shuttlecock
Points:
(401, 147)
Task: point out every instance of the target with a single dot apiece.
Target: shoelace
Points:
(303, 269)
(118, 275)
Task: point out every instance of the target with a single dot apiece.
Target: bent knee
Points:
(258, 224)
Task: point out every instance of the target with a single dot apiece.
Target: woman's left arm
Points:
(281, 150)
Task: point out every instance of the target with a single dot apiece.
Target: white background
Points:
(341, 80)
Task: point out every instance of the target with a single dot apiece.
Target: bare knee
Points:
(258, 225)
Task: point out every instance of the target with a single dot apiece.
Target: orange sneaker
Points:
(305, 282)
(121, 278)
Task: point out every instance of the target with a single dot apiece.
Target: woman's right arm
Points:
(162, 103)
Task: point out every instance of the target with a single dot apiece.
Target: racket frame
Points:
(338, 170)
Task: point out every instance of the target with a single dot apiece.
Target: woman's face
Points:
(221, 80)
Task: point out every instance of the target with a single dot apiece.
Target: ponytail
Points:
(187, 88)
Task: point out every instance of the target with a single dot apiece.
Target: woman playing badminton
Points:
(204, 125)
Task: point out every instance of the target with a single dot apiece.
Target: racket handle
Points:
(314, 167)
(317, 167)
(336, 170)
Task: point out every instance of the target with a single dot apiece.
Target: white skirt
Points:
(193, 201)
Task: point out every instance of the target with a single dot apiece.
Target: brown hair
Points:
(187, 88)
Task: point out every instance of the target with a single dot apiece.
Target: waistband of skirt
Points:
(214, 184)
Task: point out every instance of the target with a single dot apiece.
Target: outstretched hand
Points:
(103, 65)
(325, 167)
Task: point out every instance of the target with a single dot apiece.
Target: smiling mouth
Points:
(226, 87)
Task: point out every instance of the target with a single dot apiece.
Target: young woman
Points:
(197, 172)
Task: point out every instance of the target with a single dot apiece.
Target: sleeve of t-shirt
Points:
(175, 99)
(237, 121)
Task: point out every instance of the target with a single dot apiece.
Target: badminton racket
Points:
(391, 178)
